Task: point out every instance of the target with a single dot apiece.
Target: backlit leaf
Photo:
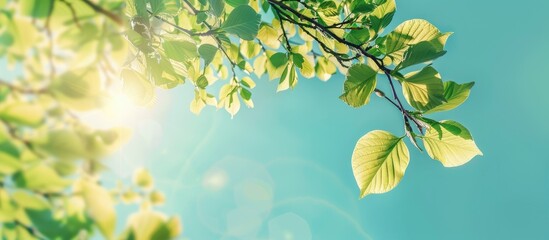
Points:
(379, 162)
(359, 85)
(243, 21)
(423, 89)
(450, 143)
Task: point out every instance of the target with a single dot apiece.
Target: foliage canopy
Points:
(79, 55)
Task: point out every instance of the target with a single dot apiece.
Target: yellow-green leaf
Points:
(408, 33)
(379, 162)
(359, 85)
(450, 143)
(8, 163)
(147, 225)
(30, 114)
(423, 89)
(30, 200)
(41, 178)
(455, 94)
(100, 207)
(142, 178)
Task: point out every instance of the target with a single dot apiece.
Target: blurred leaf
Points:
(30, 114)
(157, 198)
(7, 207)
(169, 7)
(142, 178)
(100, 207)
(217, 7)
(8, 163)
(40, 178)
(36, 8)
(147, 225)
(64, 144)
(180, 50)
(207, 52)
(79, 89)
(30, 200)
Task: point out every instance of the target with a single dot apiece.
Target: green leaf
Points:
(40, 178)
(248, 82)
(359, 85)
(382, 15)
(423, 89)
(217, 7)
(245, 94)
(358, 36)
(243, 21)
(147, 224)
(455, 94)
(361, 6)
(324, 68)
(30, 114)
(236, 3)
(8, 163)
(288, 79)
(379, 162)
(406, 34)
(278, 59)
(207, 52)
(36, 8)
(180, 50)
(425, 51)
(100, 207)
(450, 143)
(328, 8)
(298, 60)
(30, 200)
(170, 7)
(202, 82)
(8, 209)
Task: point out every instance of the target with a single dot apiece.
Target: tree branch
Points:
(277, 5)
(115, 18)
(22, 90)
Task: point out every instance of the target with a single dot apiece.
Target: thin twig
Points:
(115, 18)
(73, 13)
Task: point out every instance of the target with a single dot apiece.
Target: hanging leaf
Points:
(100, 207)
(207, 52)
(359, 85)
(450, 143)
(379, 162)
(423, 89)
(455, 94)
